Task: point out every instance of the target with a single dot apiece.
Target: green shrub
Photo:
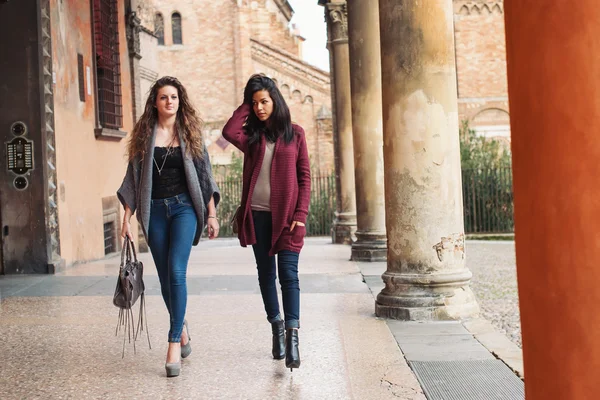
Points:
(487, 183)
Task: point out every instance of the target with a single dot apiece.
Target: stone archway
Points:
(492, 123)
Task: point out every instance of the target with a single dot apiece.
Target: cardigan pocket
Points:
(297, 236)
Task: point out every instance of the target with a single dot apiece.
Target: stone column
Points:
(555, 121)
(426, 277)
(367, 130)
(344, 225)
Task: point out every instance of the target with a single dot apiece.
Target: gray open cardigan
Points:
(136, 189)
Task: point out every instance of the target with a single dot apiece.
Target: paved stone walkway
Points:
(495, 284)
(58, 335)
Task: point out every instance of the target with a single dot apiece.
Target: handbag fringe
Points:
(125, 321)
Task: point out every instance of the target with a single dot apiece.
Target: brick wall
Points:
(205, 62)
(269, 25)
(481, 62)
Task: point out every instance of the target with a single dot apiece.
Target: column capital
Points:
(337, 19)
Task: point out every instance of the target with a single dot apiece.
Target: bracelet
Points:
(213, 216)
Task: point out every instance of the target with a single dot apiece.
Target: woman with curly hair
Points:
(274, 206)
(170, 186)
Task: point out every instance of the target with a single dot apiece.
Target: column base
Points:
(427, 297)
(344, 227)
(370, 247)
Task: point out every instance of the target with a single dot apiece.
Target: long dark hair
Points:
(187, 122)
(280, 121)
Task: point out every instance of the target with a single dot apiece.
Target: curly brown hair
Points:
(187, 122)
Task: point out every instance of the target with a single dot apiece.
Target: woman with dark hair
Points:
(274, 206)
(170, 186)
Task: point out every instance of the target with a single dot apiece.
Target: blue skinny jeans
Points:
(287, 268)
(170, 236)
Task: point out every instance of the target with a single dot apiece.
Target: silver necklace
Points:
(169, 149)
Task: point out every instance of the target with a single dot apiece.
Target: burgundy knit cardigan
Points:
(290, 183)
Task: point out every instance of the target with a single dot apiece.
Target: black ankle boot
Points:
(278, 340)
(292, 355)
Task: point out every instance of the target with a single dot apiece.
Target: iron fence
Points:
(321, 212)
(488, 200)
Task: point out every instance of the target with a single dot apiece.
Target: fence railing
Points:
(321, 212)
(488, 200)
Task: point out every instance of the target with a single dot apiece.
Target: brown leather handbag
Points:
(130, 287)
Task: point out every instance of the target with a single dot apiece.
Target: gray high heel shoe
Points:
(186, 349)
(173, 369)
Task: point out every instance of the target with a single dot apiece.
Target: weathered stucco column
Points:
(426, 277)
(344, 225)
(367, 130)
(554, 92)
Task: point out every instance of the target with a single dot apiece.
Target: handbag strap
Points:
(128, 248)
(126, 251)
(133, 250)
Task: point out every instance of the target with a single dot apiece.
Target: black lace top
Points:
(171, 179)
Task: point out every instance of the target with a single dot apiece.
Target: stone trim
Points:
(109, 134)
(482, 99)
(148, 31)
(148, 74)
(481, 7)
(52, 219)
(292, 65)
(285, 8)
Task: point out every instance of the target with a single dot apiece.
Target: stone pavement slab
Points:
(437, 341)
(197, 284)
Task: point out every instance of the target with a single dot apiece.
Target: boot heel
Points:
(292, 354)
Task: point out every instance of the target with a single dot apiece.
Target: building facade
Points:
(214, 47)
(65, 110)
(80, 74)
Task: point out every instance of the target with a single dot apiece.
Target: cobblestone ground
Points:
(495, 284)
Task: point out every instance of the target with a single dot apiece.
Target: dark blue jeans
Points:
(170, 237)
(287, 262)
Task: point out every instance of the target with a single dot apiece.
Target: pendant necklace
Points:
(169, 148)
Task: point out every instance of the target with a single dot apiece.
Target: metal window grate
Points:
(109, 237)
(159, 28)
(176, 26)
(108, 65)
(468, 380)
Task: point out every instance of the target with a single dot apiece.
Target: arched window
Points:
(159, 28)
(176, 26)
